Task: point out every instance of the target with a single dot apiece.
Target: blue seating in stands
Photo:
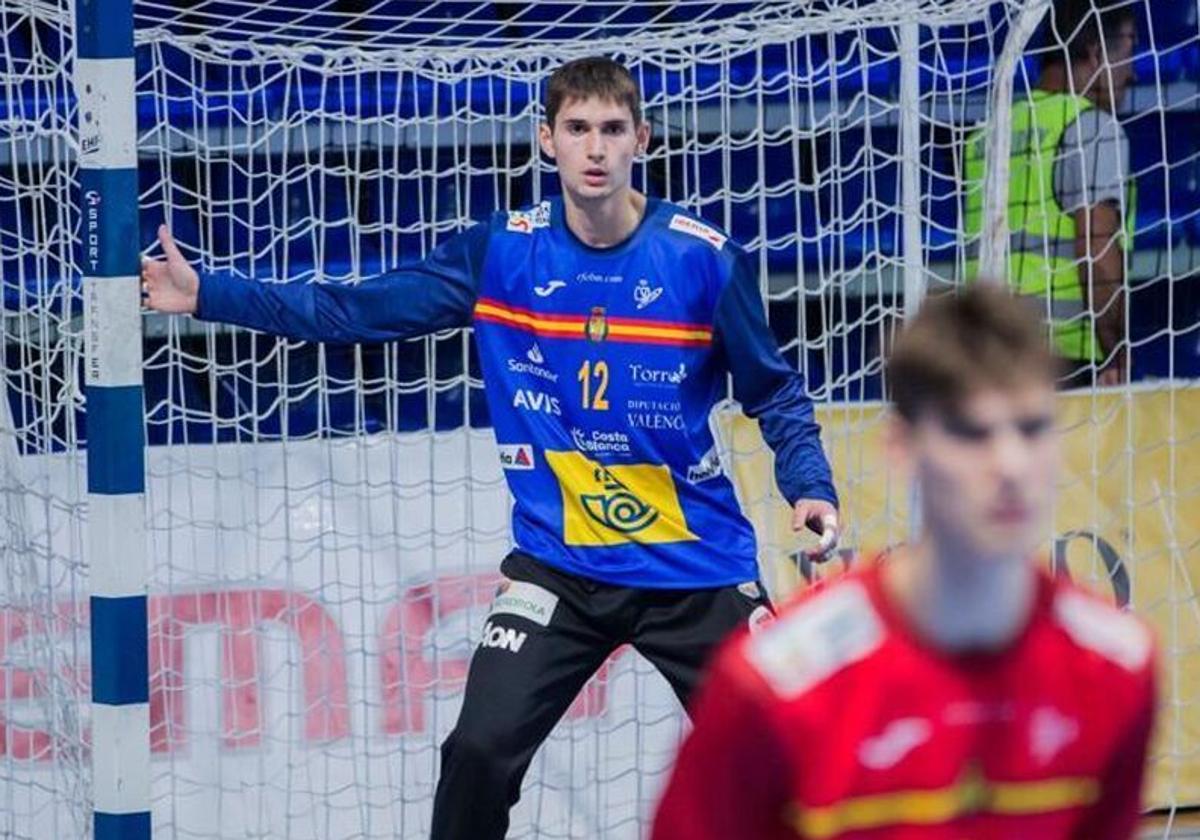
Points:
(34, 270)
(1158, 222)
(699, 80)
(1167, 64)
(31, 39)
(1169, 23)
(1168, 196)
(194, 94)
(956, 58)
(31, 100)
(941, 203)
(375, 94)
(561, 22)
(18, 45)
(240, 91)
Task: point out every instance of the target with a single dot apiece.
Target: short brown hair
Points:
(958, 343)
(1081, 26)
(595, 77)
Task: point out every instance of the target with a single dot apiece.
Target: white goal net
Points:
(325, 524)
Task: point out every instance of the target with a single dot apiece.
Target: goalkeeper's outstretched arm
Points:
(437, 293)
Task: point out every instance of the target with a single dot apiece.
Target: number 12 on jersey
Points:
(599, 372)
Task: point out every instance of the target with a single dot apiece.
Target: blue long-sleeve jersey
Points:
(601, 369)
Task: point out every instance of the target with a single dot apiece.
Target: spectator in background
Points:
(1067, 188)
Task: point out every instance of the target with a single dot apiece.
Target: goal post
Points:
(112, 326)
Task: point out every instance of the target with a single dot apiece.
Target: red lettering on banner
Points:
(407, 674)
(593, 700)
(410, 672)
(28, 685)
(238, 614)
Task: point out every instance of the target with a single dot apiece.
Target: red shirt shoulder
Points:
(1099, 629)
(1108, 649)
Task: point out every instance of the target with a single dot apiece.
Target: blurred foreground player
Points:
(955, 690)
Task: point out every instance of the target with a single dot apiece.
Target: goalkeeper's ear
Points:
(642, 130)
(546, 139)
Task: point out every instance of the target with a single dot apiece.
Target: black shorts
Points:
(546, 634)
(676, 630)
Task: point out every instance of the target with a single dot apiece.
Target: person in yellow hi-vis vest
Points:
(1068, 188)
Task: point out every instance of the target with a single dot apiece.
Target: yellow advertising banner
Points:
(1127, 524)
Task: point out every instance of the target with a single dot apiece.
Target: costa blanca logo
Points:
(549, 289)
(505, 638)
(532, 367)
(644, 294)
(528, 399)
(617, 508)
(598, 442)
(516, 456)
(660, 377)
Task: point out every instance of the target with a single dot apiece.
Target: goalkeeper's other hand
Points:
(820, 517)
(169, 285)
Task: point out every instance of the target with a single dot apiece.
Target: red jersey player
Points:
(954, 690)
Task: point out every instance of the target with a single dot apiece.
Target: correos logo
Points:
(616, 507)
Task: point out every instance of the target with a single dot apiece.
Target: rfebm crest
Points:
(596, 326)
(616, 507)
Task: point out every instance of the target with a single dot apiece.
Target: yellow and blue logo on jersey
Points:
(618, 504)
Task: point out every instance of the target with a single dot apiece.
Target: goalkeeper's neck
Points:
(607, 221)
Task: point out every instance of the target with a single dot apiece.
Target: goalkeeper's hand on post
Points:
(820, 517)
(169, 285)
